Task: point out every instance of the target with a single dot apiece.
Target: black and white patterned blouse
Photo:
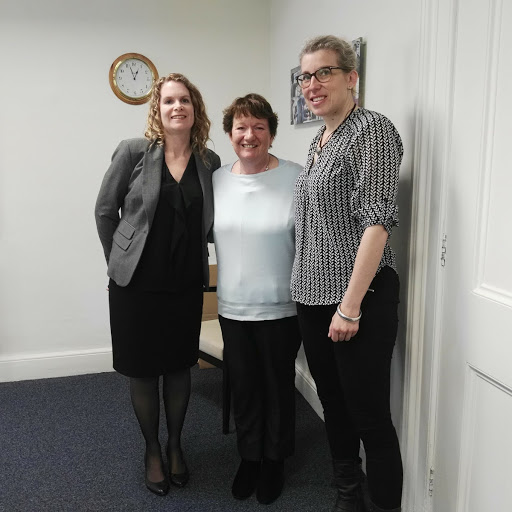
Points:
(352, 185)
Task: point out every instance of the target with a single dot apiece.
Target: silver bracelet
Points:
(348, 318)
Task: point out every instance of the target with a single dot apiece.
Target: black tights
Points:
(145, 397)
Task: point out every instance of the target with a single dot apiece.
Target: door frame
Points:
(426, 281)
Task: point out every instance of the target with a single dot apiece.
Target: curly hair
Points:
(250, 105)
(200, 132)
(347, 59)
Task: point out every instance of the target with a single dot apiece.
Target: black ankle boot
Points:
(271, 481)
(246, 479)
(371, 507)
(347, 479)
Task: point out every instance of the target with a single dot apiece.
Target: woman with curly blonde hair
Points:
(156, 252)
(199, 133)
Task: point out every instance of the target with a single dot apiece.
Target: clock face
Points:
(131, 78)
(134, 78)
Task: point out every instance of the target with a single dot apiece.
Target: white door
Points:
(473, 441)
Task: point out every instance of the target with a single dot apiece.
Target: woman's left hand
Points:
(342, 330)
(367, 261)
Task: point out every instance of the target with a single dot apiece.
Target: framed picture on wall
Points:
(360, 49)
(299, 112)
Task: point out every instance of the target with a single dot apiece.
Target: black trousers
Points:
(352, 379)
(260, 357)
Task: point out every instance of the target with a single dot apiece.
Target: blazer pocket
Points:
(123, 235)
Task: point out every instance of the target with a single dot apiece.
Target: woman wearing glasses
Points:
(254, 234)
(344, 279)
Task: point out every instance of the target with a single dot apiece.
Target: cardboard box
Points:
(210, 298)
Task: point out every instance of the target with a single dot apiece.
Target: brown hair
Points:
(345, 54)
(199, 134)
(253, 105)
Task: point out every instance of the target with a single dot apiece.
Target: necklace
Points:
(318, 150)
(263, 170)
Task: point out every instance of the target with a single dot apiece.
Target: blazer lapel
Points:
(151, 180)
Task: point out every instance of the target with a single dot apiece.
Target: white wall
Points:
(391, 30)
(59, 125)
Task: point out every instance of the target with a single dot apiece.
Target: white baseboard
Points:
(307, 388)
(56, 364)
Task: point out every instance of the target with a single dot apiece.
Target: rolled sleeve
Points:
(384, 213)
(376, 158)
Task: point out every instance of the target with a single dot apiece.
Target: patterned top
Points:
(352, 186)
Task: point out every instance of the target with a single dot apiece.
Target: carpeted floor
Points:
(73, 444)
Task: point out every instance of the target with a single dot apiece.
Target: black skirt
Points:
(154, 333)
(155, 320)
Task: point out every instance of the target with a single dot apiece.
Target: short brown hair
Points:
(200, 132)
(253, 105)
(345, 54)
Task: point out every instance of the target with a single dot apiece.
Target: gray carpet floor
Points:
(73, 444)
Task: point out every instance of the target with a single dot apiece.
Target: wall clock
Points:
(131, 77)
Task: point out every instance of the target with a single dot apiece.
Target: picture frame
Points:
(299, 112)
(359, 46)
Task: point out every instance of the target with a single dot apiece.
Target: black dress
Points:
(155, 321)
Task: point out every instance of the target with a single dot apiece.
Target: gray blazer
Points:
(132, 184)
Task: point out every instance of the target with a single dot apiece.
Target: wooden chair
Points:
(211, 344)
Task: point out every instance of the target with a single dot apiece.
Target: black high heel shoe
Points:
(177, 479)
(158, 488)
(180, 479)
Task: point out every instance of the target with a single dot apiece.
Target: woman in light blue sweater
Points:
(255, 243)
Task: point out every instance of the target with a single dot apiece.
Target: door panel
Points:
(497, 182)
(487, 421)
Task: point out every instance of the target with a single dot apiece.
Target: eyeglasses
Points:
(322, 75)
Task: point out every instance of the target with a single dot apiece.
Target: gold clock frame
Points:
(115, 87)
